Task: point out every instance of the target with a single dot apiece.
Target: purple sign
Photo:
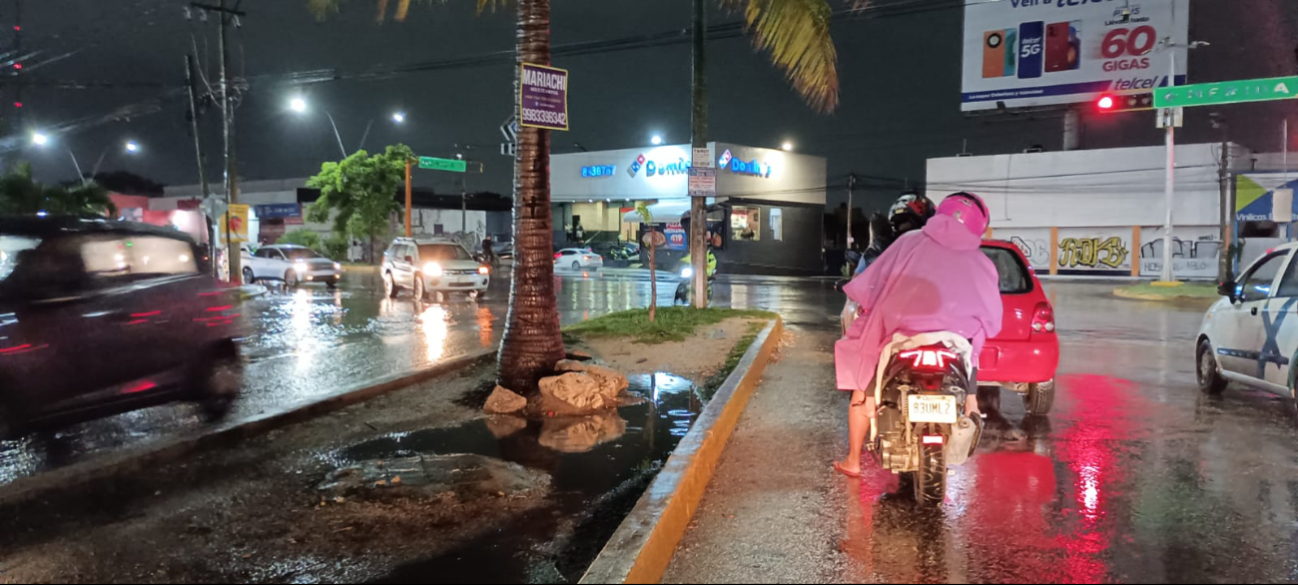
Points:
(543, 97)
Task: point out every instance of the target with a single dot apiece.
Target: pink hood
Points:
(933, 280)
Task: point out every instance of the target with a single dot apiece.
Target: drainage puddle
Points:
(599, 466)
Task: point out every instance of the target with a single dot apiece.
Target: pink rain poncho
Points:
(936, 279)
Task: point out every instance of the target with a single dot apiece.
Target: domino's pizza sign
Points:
(751, 168)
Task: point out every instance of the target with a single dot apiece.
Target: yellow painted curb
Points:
(1123, 293)
(644, 544)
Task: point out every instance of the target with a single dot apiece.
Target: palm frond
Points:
(796, 33)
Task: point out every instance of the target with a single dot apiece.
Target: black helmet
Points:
(911, 212)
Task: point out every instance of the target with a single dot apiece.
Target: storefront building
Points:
(768, 211)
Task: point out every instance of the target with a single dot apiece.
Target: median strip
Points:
(644, 544)
(168, 451)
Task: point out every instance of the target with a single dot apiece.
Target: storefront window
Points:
(746, 224)
(777, 224)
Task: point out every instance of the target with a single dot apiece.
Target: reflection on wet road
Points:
(311, 342)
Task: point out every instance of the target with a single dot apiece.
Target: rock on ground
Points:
(612, 382)
(573, 393)
(504, 401)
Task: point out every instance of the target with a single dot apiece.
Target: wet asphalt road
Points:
(1135, 476)
(312, 342)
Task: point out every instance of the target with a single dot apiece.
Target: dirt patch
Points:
(696, 358)
(253, 514)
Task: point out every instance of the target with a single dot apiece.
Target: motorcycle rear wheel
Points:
(930, 479)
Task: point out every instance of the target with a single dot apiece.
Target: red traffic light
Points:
(1105, 103)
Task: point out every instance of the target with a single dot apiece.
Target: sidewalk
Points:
(775, 512)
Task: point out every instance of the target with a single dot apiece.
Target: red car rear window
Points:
(1015, 279)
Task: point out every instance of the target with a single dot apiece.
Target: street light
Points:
(399, 117)
(298, 105)
(787, 146)
(657, 140)
(132, 147)
(40, 139)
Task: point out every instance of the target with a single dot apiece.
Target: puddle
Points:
(599, 466)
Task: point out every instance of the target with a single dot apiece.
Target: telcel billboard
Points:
(1031, 53)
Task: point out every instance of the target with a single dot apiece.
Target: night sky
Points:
(899, 68)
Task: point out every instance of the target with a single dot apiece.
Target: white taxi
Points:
(1250, 335)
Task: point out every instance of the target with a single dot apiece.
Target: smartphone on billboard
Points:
(1063, 47)
(1031, 49)
(1011, 52)
(993, 54)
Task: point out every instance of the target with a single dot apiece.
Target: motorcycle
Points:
(921, 428)
(685, 290)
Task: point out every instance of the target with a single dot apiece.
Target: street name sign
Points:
(1227, 92)
(443, 164)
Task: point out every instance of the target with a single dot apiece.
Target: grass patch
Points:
(710, 386)
(672, 323)
(1189, 291)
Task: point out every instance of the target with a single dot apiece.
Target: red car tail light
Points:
(557, 255)
(1043, 319)
(932, 359)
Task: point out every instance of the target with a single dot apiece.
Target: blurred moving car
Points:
(1250, 335)
(424, 265)
(292, 265)
(578, 259)
(99, 318)
(1025, 355)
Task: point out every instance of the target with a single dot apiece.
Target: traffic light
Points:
(1131, 102)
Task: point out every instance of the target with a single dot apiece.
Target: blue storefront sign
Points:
(598, 171)
(279, 211)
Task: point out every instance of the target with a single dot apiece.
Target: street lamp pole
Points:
(1170, 188)
(76, 164)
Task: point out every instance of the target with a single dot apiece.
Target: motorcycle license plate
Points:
(932, 409)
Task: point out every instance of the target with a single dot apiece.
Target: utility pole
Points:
(409, 196)
(1170, 188)
(225, 17)
(1224, 268)
(851, 191)
(464, 203)
(699, 139)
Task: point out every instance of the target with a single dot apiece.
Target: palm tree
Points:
(21, 194)
(533, 341)
(796, 35)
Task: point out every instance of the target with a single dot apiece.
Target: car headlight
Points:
(301, 267)
(484, 270)
(433, 269)
(687, 272)
(338, 266)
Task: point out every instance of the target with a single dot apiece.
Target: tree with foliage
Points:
(302, 237)
(20, 194)
(360, 194)
(533, 341)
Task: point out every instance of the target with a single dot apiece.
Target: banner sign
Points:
(1033, 53)
(543, 97)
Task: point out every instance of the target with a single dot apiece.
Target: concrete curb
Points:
(169, 451)
(1125, 294)
(645, 543)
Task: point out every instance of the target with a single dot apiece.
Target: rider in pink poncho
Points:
(936, 279)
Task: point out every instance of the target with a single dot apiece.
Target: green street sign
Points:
(1227, 92)
(443, 164)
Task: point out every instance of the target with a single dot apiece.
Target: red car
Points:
(1025, 356)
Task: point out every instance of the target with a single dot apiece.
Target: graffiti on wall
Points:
(1190, 258)
(1093, 253)
(1035, 248)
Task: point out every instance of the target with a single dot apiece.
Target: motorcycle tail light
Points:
(933, 358)
(932, 383)
(1043, 319)
(933, 439)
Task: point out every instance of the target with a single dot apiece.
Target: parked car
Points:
(99, 318)
(578, 259)
(291, 265)
(1250, 335)
(1025, 355)
(425, 265)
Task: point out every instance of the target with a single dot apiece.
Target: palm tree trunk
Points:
(532, 341)
(699, 137)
